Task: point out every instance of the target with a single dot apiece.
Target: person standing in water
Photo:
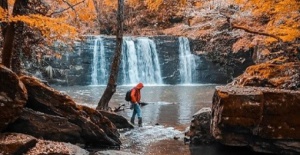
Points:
(135, 101)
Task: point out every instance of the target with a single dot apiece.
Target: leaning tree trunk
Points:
(112, 81)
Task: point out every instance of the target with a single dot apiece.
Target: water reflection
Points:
(171, 107)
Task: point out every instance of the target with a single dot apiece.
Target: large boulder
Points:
(16, 143)
(59, 148)
(93, 127)
(119, 121)
(266, 119)
(13, 97)
(199, 130)
(47, 126)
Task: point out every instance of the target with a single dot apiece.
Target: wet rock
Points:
(50, 147)
(96, 129)
(13, 96)
(265, 119)
(176, 137)
(113, 152)
(56, 128)
(119, 121)
(273, 74)
(199, 131)
(16, 143)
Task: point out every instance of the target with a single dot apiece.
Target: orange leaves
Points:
(182, 2)
(3, 14)
(51, 28)
(11, 2)
(153, 4)
(284, 16)
(133, 3)
(111, 3)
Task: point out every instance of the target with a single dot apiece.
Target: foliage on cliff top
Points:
(279, 18)
(252, 22)
(278, 73)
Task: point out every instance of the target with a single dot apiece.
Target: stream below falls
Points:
(167, 115)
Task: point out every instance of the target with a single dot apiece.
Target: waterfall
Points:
(140, 62)
(99, 72)
(129, 62)
(187, 61)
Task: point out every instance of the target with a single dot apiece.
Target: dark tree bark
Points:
(112, 81)
(3, 25)
(20, 8)
(7, 33)
(8, 45)
(12, 46)
(97, 8)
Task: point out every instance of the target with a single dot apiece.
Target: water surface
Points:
(168, 105)
(167, 115)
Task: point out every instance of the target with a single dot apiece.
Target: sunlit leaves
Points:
(150, 4)
(153, 4)
(111, 3)
(3, 15)
(284, 16)
(51, 28)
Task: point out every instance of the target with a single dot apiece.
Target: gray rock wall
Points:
(75, 68)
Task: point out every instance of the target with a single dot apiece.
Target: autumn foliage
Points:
(279, 18)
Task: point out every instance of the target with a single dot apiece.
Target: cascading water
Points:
(140, 62)
(99, 72)
(129, 62)
(187, 61)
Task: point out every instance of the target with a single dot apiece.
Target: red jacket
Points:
(136, 93)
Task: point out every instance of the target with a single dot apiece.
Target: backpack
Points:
(128, 95)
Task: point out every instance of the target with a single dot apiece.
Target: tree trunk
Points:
(112, 81)
(17, 48)
(8, 35)
(4, 25)
(12, 46)
(20, 8)
(96, 5)
(8, 45)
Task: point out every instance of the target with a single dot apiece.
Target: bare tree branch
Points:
(256, 32)
(65, 9)
(232, 26)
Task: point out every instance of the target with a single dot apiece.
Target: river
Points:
(165, 118)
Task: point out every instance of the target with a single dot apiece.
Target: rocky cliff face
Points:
(75, 68)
